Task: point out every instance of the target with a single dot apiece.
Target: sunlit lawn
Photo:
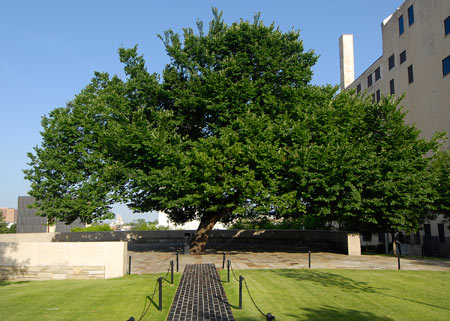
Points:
(342, 294)
(287, 294)
(109, 300)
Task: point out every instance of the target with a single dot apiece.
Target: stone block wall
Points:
(51, 272)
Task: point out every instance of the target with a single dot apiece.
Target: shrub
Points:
(93, 228)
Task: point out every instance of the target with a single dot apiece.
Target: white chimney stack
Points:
(347, 60)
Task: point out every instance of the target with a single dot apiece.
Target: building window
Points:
(410, 74)
(446, 66)
(392, 87)
(441, 233)
(391, 62)
(401, 27)
(447, 25)
(378, 96)
(377, 74)
(358, 88)
(369, 80)
(367, 237)
(381, 237)
(427, 230)
(403, 57)
(373, 98)
(411, 15)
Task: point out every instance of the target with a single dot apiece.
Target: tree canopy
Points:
(232, 127)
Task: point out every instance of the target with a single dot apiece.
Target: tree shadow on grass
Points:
(327, 279)
(331, 313)
(5, 283)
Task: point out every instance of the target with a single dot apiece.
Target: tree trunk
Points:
(207, 223)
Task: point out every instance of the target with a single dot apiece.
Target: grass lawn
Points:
(287, 294)
(108, 300)
(342, 294)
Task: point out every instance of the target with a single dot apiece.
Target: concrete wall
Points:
(62, 260)
(260, 240)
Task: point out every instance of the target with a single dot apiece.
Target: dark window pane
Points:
(446, 66)
(427, 229)
(401, 27)
(392, 87)
(391, 62)
(373, 98)
(441, 233)
(381, 237)
(378, 96)
(403, 57)
(447, 25)
(377, 74)
(367, 237)
(358, 89)
(411, 15)
(410, 74)
(369, 80)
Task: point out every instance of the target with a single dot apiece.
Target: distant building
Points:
(29, 222)
(163, 220)
(9, 215)
(416, 62)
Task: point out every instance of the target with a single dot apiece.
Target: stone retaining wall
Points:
(62, 260)
(52, 272)
(260, 240)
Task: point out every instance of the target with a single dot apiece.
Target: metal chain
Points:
(246, 286)
(150, 299)
(144, 312)
(250, 295)
(232, 270)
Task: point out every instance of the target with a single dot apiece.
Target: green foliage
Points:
(93, 228)
(232, 130)
(4, 226)
(440, 172)
(142, 225)
(13, 228)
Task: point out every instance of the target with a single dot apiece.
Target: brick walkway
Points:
(200, 296)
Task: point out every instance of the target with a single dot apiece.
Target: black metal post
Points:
(270, 317)
(223, 261)
(129, 264)
(241, 278)
(160, 293)
(171, 272)
(228, 269)
(422, 250)
(177, 261)
(309, 259)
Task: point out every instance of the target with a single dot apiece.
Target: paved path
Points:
(200, 296)
(155, 262)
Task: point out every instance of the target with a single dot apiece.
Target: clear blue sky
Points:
(50, 49)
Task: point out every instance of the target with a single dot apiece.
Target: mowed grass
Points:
(108, 300)
(341, 294)
(287, 294)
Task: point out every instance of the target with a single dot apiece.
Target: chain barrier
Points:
(268, 316)
(148, 304)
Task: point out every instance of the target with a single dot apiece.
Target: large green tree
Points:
(232, 128)
(440, 173)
